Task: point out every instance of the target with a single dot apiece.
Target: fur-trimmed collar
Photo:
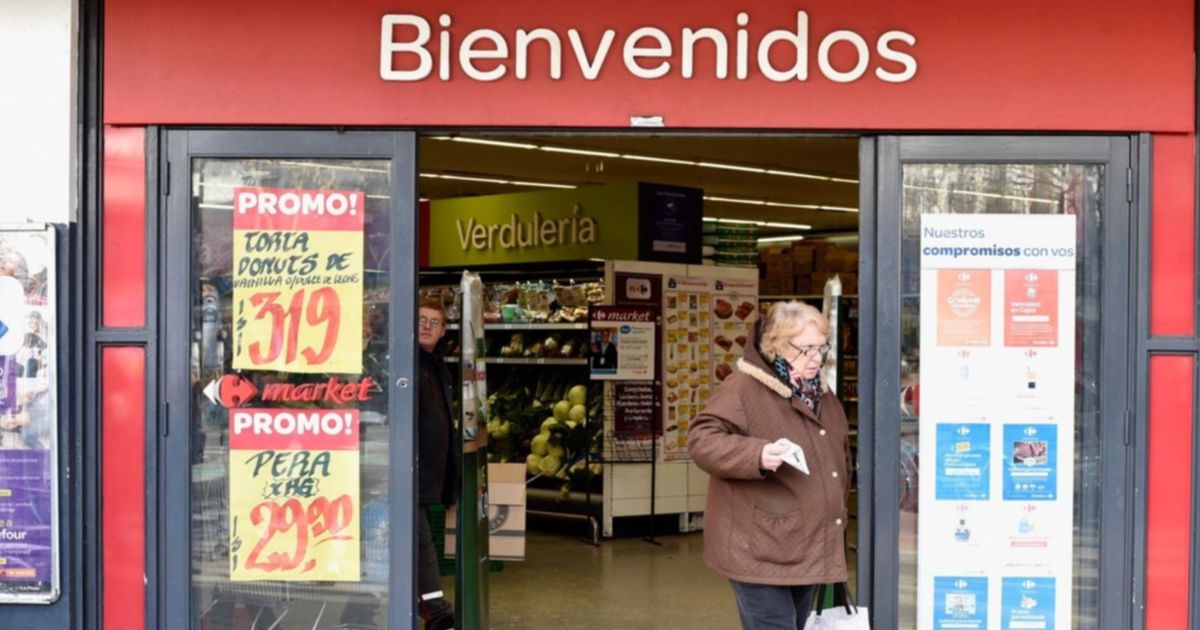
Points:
(771, 381)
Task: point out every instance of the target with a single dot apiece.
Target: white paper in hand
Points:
(794, 456)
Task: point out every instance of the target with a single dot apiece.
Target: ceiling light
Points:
(732, 167)
(651, 158)
(496, 143)
(604, 154)
(802, 206)
(469, 178)
(770, 224)
(781, 239)
(839, 208)
(494, 180)
(843, 180)
(542, 184)
(800, 175)
(734, 221)
(787, 226)
(747, 202)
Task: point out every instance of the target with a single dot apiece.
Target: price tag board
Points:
(293, 495)
(298, 280)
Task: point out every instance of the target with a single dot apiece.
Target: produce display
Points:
(541, 302)
(534, 344)
(551, 419)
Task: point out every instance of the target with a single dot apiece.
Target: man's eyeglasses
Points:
(427, 322)
(811, 352)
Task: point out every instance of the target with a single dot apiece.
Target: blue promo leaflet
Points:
(1027, 603)
(1030, 466)
(960, 603)
(963, 451)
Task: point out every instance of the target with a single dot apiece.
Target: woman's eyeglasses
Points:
(811, 352)
(426, 322)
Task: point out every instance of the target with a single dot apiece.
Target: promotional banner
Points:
(293, 495)
(997, 413)
(635, 407)
(687, 315)
(623, 340)
(29, 571)
(298, 280)
(734, 311)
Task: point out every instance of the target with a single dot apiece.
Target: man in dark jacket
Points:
(437, 461)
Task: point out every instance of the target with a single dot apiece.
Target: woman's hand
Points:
(772, 456)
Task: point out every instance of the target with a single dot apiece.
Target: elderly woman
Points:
(773, 530)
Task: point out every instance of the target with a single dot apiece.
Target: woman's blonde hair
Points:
(786, 320)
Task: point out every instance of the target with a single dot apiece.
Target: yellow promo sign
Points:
(294, 495)
(298, 280)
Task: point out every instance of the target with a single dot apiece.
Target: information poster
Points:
(623, 340)
(997, 401)
(634, 410)
(635, 407)
(29, 560)
(1027, 603)
(293, 494)
(963, 457)
(735, 306)
(687, 323)
(298, 280)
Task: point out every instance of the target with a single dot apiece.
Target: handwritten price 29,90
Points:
(323, 309)
(323, 521)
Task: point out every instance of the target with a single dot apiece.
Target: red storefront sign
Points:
(854, 64)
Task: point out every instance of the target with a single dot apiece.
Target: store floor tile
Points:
(623, 583)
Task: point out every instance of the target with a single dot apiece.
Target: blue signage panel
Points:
(1027, 603)
(963, 453)
(1030, 462)
(960, 603)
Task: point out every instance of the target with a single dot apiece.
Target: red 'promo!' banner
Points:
(297, 280)
(293, 494)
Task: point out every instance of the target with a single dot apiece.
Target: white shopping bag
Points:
(848, 616)
(838, 618)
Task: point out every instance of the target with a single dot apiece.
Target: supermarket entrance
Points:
(705, 233)
(295, 455)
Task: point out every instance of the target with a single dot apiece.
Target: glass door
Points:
(286, 477)
(1002, 374)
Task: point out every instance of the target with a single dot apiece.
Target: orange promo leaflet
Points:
(1030, 308)
(964, 307)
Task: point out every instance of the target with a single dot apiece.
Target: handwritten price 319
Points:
(320, 309)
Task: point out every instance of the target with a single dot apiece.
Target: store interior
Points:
(612, 518)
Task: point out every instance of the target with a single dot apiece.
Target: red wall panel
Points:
(1173, 236)
(123, 228)
(1014, 65)
(123, 474)
(1169, 493)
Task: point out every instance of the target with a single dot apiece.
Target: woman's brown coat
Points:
(781, 527)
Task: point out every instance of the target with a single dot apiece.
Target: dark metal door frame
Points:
(881, 162)
(173, 552)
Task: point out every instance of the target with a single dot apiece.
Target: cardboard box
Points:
(836, 259)
(772, 286)
(802, 284)
(849, 283)
(506, 514)
(803, 258)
